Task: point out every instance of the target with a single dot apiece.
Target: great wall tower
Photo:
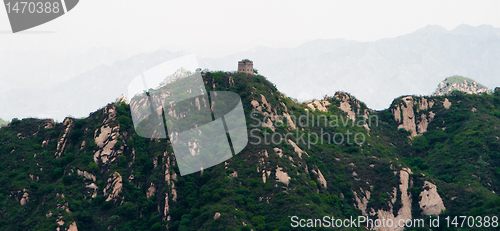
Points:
(245, 66)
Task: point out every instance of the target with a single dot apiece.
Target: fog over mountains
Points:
(81, 95)
(374, 72)
(377, 72)
(36, 69)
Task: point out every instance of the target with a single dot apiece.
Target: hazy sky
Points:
(221, 27)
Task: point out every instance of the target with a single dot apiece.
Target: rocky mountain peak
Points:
(459, 83)
(122, 98)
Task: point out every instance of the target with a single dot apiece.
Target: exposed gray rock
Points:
(431, 203)
(113, 187)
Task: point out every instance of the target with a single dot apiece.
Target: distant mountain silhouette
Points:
(84, 93)
(377, 72)
(374, 72)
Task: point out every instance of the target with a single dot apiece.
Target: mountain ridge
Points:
(97, 173)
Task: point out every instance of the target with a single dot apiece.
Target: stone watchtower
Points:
(245, 66)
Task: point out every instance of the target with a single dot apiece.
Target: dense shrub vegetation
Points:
(460, 153)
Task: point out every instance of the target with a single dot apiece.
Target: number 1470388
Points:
(33, 7)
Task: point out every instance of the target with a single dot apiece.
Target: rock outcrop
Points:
(88, 176)
(73, 227)
(271, 115)
(406, 114)
(345, 105)
(321, 178)
(25, 199)
(431, 203)
(362, 201)
(319, 105)
(61, 145)
(216, 215)
(170, 179)
(123, 99)
(113, 187)
(90, 180)
(352, 107)
(296, 148)
(459, 83)
(106, 138)
(151, 190)
(282, 176)
(446, 103)
(404, 212)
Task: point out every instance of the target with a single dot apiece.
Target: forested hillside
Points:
(330, 157)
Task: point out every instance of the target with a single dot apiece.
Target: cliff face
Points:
(403, 213)
(430, 202)
(459, 83)
(414, 113)
(80, 171)
(302, 160)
